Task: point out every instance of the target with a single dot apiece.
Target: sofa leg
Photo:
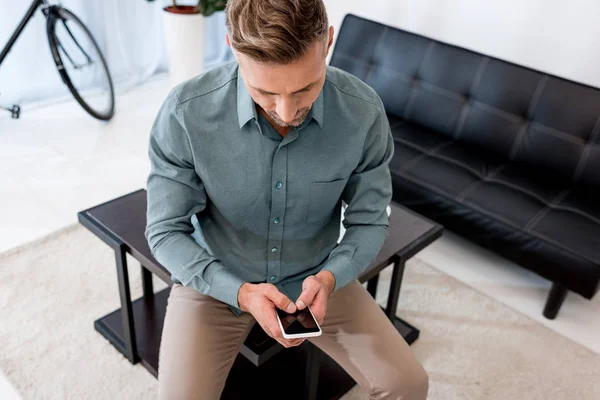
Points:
(555, 299)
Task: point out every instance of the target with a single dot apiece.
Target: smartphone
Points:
(301, 324)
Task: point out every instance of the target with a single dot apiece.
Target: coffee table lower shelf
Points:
(280, 377)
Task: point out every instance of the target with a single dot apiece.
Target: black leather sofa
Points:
(503, 155)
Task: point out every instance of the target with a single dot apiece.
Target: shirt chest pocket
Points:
(323, 200)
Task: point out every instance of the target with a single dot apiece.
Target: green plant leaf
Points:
(208, 7)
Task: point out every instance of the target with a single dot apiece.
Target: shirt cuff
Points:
(225, 287)
(342, 268)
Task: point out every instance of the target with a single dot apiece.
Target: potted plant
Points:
(184, 27)
(204, 7)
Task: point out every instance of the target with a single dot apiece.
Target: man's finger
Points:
(319, 307)
(270, 320)
(280, 300)
(295, 342)
(287, 343)
(310, 288)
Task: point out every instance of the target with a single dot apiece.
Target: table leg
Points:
(408, 332)
(313, 364)
(372, 286)
(397, 275)
(147, 282)
(126, 306)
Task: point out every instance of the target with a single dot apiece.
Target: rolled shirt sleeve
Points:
(367, 194)
(176, 193)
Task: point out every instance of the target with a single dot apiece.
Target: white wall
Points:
(555, 36)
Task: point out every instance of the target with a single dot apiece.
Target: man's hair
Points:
(275, 31)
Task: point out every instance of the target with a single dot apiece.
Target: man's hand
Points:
(315, 293)
(261, 301)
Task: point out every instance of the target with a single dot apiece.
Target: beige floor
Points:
(56, 161)
(472, 346)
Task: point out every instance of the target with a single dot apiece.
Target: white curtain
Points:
(129, 33)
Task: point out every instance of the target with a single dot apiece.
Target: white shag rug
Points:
(472, 346)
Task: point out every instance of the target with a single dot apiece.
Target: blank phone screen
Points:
(300, 322)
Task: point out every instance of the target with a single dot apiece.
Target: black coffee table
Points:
(303, 372)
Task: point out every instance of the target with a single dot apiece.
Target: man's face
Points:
(287, 92)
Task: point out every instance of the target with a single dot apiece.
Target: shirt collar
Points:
(316, 112)
(245, 104)
(247, 110)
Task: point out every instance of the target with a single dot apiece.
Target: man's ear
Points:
(330, 42)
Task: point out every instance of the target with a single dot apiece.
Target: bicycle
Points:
(78, 58)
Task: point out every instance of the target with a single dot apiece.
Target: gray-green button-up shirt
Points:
(231, 201)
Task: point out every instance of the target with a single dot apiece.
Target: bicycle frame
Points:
(32, 9)
(56, 14)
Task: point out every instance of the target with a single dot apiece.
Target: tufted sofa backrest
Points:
(518, 113)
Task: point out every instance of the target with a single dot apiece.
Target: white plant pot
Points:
(184, 36)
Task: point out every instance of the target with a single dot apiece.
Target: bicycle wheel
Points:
(80, 63)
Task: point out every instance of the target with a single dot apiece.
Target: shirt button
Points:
(274, 250)
(278, 185)
(273, 277)
(276, 220)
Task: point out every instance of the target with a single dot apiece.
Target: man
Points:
(250, 164)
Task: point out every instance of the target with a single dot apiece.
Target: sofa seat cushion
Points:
(524, 214)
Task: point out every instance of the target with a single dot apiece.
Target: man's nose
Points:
(286, 109)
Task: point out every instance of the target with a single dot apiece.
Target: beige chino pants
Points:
(202, 337)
